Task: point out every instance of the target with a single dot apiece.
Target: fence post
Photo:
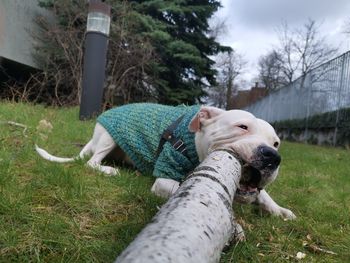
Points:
(339, 99)
(269, 118)
(309, 87)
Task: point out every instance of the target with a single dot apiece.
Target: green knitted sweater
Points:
(137, 129)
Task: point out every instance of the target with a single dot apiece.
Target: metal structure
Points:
(324, 89)
(95, 56)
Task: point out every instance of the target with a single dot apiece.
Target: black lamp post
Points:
(95, 53)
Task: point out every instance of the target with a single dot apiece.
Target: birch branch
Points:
(197, 221)
(12, 123)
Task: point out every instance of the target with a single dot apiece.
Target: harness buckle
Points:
(178, 144)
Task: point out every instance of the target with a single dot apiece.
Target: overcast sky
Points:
(251, 24)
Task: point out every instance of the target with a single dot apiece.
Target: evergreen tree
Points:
(178, 30)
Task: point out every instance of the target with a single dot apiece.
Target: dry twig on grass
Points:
(12, 123)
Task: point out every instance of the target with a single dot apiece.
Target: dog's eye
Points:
(276, 144)
(244, 127)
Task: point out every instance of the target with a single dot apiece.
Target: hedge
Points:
(321, 122)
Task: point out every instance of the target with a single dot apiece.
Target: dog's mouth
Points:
(250, 179)
(257, 172)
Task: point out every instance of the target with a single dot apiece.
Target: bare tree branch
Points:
(271, 71)
(230, 65)
(299, 51)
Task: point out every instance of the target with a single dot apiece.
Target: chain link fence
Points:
(323, 90)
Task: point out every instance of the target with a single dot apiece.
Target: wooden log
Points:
(197, 221)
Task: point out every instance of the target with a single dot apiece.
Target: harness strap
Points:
(168, 136)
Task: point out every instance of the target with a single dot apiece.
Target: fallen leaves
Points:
(244, 224)
(316, 249)
(312, 247)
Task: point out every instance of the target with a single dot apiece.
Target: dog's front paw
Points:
(281, 212)
(107, 170)
(164, 187)
(287, 214)
(110, 171)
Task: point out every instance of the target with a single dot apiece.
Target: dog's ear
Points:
(205, 113)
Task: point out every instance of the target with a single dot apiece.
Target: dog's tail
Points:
(44, 154)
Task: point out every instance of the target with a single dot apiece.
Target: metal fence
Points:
(324, 89)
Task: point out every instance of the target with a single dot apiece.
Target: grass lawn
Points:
(69, 213)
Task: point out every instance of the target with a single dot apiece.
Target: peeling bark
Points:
(197, 221)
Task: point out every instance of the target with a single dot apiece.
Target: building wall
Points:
(246, 97)
(17, 28)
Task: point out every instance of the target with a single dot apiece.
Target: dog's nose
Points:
(270, 157)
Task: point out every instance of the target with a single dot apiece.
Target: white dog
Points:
(170, 142)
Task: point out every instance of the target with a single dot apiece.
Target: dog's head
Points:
(254, 140)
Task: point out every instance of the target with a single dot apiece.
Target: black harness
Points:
(168, 136)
